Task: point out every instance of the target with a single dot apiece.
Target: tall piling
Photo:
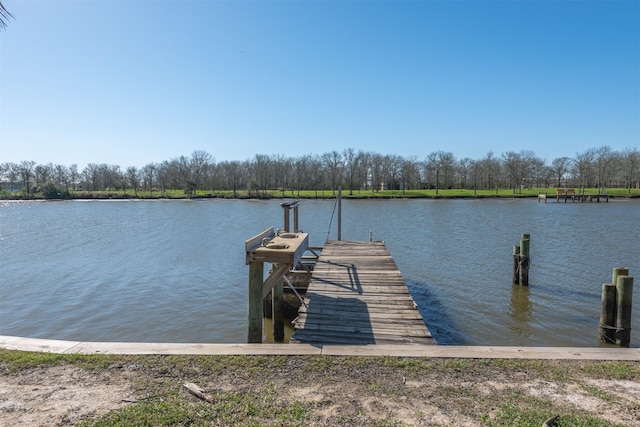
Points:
(624, 290)
(521, 261)
(608, 314)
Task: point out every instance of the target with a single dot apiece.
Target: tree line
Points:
(349, 169)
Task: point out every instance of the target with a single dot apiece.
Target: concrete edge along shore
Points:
(467, 352)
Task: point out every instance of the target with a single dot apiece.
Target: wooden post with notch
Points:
(521, 261)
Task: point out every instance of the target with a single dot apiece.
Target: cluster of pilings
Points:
(521, 261)
(615, 317)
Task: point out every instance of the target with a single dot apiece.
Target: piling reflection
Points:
(521, 310)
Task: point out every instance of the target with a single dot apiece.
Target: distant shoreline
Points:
(113, 196)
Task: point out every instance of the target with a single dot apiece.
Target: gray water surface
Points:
(174, 271)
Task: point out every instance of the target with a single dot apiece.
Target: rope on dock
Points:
(612, 328)
(331, 220)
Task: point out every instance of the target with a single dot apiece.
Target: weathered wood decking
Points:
(357, 296)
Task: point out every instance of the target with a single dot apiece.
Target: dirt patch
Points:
(61, 395)
(340, 391)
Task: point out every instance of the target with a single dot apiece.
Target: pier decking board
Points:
(357, 296)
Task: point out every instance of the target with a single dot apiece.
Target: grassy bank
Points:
(324, 390)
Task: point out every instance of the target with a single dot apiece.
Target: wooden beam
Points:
(275, 276)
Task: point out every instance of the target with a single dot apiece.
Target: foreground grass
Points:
(375, 391)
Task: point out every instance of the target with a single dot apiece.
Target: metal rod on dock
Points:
(339, 212)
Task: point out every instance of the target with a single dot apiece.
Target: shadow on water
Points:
(438, 320)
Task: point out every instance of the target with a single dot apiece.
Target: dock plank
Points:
(357, 296)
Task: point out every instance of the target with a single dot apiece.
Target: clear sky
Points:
(130, 82)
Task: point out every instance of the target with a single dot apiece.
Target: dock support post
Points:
(256, 277)
(276, 310)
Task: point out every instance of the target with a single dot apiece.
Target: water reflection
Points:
(520, 304)
(521, 311)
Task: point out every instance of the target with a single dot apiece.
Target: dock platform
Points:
(357, 296)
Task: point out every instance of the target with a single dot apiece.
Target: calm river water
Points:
(174, 271)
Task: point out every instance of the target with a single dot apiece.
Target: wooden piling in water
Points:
(516, 265)
(521, 261)
(608, 314)
(618, 271)
(615, 317)
(624, 290)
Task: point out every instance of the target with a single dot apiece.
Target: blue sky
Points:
(129, 82)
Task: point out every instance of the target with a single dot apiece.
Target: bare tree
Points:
(560, 167)
(583, 168)
(148, 173)
(463, 170)
(5, 15)
(133, 177)
(604, 161)
(511, 161)
(333, 165)
(441, 163)
(27, 175)
(491, 170)
(199, 165)
(631, 167)
(350, 167)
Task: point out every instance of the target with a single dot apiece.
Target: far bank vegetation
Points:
(357, 173)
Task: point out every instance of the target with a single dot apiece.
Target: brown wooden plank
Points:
(395, 325)
(357, 296)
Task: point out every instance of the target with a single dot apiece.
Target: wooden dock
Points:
(570, 194)
(357, 296)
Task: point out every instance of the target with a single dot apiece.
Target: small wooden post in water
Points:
(521, 261)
